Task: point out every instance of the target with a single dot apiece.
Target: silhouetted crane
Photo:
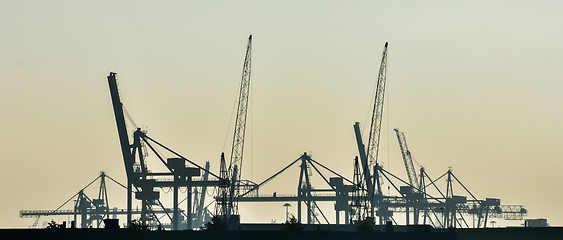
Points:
(407, 158)
(368, 157)
(228, 200)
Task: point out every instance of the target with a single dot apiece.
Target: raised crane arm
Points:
(368, 157)
(121, 127)
(377, 115)
(128, 156)
(237, 151)
(407, 158)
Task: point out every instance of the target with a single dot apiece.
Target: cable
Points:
(251, 128)
(388, 111)
(129, 116)
(370, 107)
(235, 102)
(118, 183)
(77, 193)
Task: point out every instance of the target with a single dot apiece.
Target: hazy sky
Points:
(474, 85)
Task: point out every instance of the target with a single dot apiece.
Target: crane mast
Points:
(128, 157)
(368, 157)
(363, 202)
(377, 115)
(407, 158)
(237, 151)
(199, 200)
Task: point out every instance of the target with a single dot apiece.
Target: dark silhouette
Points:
(217, 224)
(389, 226)
(292, 225)
(366, 225)
(54, 225)
(111, 223)
(137, 225)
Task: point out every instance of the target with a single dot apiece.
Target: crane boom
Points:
(377, 115)
(121, 126)
(235, 166)
(368, 157)
(128, 157)
(199, 200)
(366, 173)
(407, 158)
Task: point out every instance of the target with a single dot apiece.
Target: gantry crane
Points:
(145, 182)
(229, 193)
(91, 210)
(338, 191)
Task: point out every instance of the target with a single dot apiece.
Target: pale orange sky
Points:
(475, 86)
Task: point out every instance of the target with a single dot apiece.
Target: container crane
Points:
(144, 182)
(90, 211)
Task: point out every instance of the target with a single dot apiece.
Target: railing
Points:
(91, 211)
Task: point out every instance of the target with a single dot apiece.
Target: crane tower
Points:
(377, 115)
(368, 157)
(229, 203)
(407, 158)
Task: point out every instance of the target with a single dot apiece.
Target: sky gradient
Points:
(475, 86)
